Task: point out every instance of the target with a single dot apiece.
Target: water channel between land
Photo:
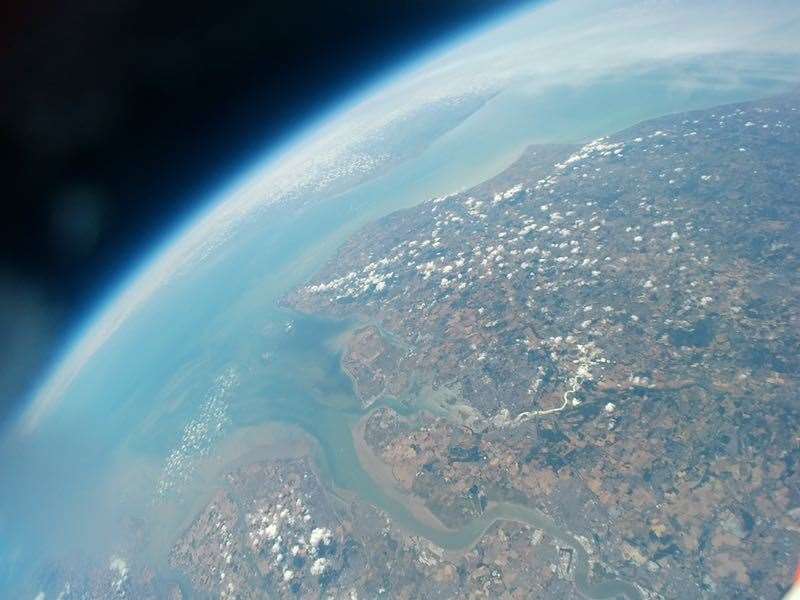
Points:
(330, 414)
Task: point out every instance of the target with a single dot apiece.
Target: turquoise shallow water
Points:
(100, 456)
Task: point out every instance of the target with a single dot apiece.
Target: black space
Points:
(117, 115)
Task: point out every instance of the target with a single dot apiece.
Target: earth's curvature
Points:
(519, 321)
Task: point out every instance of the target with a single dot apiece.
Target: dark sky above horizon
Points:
(117, 116)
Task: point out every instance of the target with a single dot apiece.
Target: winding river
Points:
(307, 389)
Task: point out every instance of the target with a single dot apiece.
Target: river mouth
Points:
(330, 417)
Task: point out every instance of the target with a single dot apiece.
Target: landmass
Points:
(277, 532)
(616, 324)
(374, 365)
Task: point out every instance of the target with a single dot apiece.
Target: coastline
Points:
(383, 476)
